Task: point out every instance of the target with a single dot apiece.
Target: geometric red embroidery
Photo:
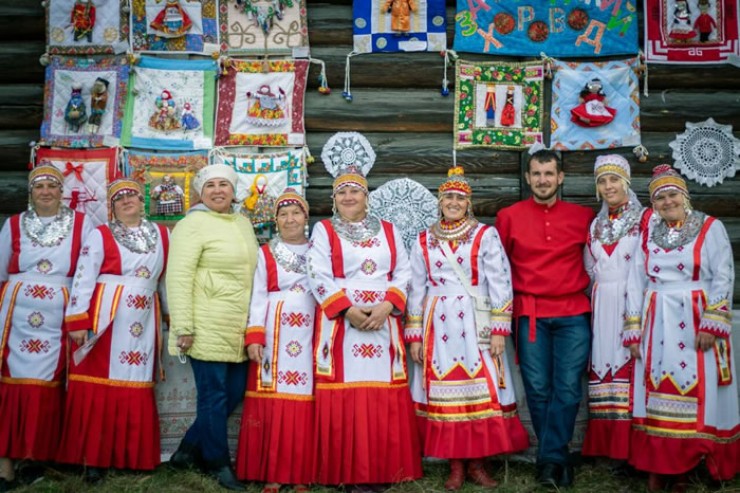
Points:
(133, 358)
(292, 377)
(296, 319)
(139, 302)
(35, 346)
(368, 296)
(367, 350)
(368, 267)
(39, 291)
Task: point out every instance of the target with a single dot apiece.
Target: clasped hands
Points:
(369, 318)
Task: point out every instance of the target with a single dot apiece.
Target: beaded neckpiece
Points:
(609, 231)
(49, 234)
(140, 240)
(460, 230)
(356, 231)
(668, 238)
(288, 259)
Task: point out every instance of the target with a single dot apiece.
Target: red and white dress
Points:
(276, 438)
(465, 402)
(685, 401)
(35, 277)
(365, 430)
(111, 413)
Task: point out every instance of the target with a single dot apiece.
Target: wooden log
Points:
(19, 62)
(14, 147)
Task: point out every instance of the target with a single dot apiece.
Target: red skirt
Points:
(276, 439)
(110, 426)
(607, 438)
(366, 435)
(31, 419)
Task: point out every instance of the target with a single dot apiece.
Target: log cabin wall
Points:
(398, 106)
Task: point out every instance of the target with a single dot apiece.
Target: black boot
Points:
(185, 457)
(93, 475)
(226, 478)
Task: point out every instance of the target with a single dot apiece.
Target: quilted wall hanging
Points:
(171, 104)
(262, 178)
(261, 103)
(691, 31)
(560, 29)
(86, 177)
(498, 104)
(185, 26)
(257, 27)
(84, 101)
(707, 152)
(86, 27)
(595, 105)
(166, 179)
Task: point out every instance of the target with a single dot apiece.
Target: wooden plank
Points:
(19, 62)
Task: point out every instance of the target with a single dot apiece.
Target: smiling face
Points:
(612, 190)
(46, 197)
(127, 208)
(217, 195)
(454, 206)
(291, 223)
(351, 203)
(670, 205)
(544, 179)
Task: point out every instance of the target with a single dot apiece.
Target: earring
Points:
(305, 230)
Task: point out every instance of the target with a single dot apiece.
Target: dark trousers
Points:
(552, 370)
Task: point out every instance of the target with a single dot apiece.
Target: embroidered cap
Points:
(613, 164)
(456, 182)
(45, 172)
(122, 187)
(350, 176)
(291, 197)
(213, 171)
(666, 178)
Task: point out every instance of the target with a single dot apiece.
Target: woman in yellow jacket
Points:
(213, 254)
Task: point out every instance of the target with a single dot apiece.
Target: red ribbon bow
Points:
(71, 168)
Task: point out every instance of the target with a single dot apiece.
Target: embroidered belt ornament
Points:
(140, 240)
(287, 259)
(669, 238)
(356, 232)
(609, 231)
(50, 234)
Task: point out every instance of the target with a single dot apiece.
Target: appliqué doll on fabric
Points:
(400, 11)
(83, 20)
(169, 197)
(264, 14)
(681, 30)
(98, 103)
(705, 23)
(592, 112)
(260, 205)
(265, 107)
(75, 114)
(489, 105)
(165, 117)
(187, 119)
(508, 114)
(172, 21)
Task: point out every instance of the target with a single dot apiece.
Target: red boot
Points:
(457, 475)
(477, 473)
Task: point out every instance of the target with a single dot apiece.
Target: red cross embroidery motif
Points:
(295, 319)
(134, 358)
(39, 291)
(367, 296)
(35, 346)
(292, 378)
(139, 302)
(367, 350)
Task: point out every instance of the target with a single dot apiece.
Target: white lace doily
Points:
(407, 204)
(347, 149)
(706, 152)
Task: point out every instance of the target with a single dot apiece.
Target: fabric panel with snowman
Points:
(87, 174)
(399, 25)
(171, 104)
(595, 105)
(257, 27)
(84, 27)
(261, 103)
(186, 26)
(84, 101)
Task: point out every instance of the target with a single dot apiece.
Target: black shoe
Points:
(226, 478)
(567, 476)
(6, 485)
(549, 474)
(93, 475)
(182, 459)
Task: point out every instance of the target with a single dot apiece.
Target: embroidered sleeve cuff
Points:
(397, 299)
(632, 332)
(255, 335)
(412, 334)
(335, 304)
(79, 321)
(501, 320)
(414, 321)
(717, 320)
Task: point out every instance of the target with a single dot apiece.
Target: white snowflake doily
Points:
(347, 149)
(706, 152)
(407, 204)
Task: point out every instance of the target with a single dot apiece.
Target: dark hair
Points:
(544, 156)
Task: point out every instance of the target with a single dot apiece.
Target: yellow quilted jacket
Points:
(209, 284)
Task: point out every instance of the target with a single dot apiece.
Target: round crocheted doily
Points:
(345, 149)
(706, 152)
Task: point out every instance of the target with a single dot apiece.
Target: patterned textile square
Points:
(262, 178)
(256, 27)
(691, 31)
(559, 29)
(166, 180)
(261, 103)
(498, 104)
(84, 101)
(171, 104)
(174, 26)
(399, 25)
(595, 105)
(86, 177)
(84, 27)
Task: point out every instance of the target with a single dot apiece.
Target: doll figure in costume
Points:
(165, 117)
(266, 107)
(705, 23)
(592, 112)
(400, 11)
(681, 30)
(490, 105)
(259, 206)
(172, 21)
(75, 114)
(187, 119)
(508, 114)
(98, 103)
(169, 197)
(83, 20)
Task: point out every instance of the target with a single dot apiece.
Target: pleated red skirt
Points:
(110, 426)
(366, 435)
(276, 439)
(607, 438)
(30, 420)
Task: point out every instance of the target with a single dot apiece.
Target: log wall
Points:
(397, 105)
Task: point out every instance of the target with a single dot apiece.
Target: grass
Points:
(590, 478)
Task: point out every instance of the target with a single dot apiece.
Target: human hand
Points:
(255, 352)
(184, 343)
(357, 316)
(78, 336)
(635, 350)
(498, 344)
(377, 316)
(705, 341)
(416, 352)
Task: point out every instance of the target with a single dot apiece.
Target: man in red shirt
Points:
(544, 238)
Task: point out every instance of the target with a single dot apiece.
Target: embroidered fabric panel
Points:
(171, 104)
(399, 25)
(80, 109)
(261, 103)
(707, 152)
(579, 120)
(691, 31)
(246, 33)
(262, 178)
(166, 180)
(498, 104)
(84, 27)
(86, 177)
(560, 29)
(188, 26)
